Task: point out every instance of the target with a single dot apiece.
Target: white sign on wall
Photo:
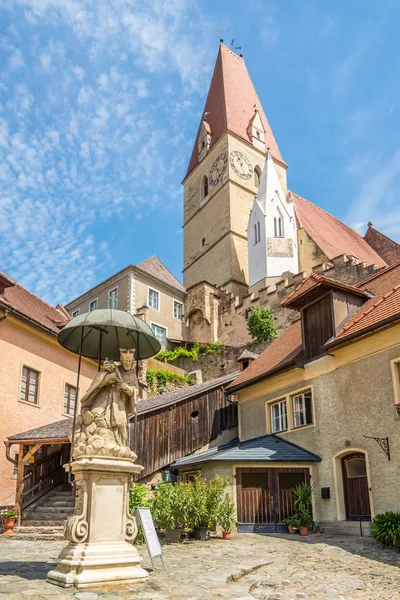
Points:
(143, 515)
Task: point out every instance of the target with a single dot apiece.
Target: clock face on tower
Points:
(217, 169)
(241, 164)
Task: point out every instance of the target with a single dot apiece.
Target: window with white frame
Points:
(279, 416)
(29, 385)
(178, 310)
(93, 305)
(154, 299)
(69, 399)
(302, 409)
(75, 313)
(113, 298)
(160, 333)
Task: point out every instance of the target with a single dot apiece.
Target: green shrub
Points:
(386, 528)
(207, 498)
(139, 496)
(160, 377)
(193, 354)
(261, 326)
(172, 506)
(226, 513)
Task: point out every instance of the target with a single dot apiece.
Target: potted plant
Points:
(304, 521)
(207, 497)
(226, 516)
(165, 512)
(291, 523)
(302, 497)
(9, 515)
(317, 529)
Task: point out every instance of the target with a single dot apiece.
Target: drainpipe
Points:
(227, 396)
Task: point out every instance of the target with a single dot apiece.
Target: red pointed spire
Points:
(230, 104)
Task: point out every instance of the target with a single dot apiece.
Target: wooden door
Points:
(355, 483)
(254, 496)
(286, 480)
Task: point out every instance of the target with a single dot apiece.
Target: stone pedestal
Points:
(99, 532)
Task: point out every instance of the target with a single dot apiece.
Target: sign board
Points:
(149, 531)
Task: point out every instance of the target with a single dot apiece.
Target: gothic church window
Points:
(204, 187)
(257, 176)
(257, 232)
(278, 226)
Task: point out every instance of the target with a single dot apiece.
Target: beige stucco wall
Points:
(309, 253)
(23, 345)
(352, 398)
(133, 288)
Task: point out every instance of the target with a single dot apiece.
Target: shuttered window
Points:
(29, 385)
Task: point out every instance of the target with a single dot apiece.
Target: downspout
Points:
(227, 396)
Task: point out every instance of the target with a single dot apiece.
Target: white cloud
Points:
(16, 60)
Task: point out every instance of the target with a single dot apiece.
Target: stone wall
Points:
(214, 314)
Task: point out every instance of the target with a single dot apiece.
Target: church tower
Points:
(223, 176)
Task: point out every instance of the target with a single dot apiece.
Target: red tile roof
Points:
(230, 103)
(281, 353)
(314, 281)
(388, 249)
(331, 235)
(23, 303)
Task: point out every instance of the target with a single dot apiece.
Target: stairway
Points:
(45, 520)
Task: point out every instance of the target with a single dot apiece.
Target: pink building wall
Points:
(20, 345)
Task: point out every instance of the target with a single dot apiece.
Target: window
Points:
(279, 416)
(278, 227)
(190, 476)
(257, 232)
(29, 385)
(204, 187)
(302, 409)
(93, 305)
(160, 333)
(178, 310)
(287, 481)
(255, 481)
(356, 468)
(75, 313)
(113, 298)
(257, 177)
(154, 299)
(69, 399)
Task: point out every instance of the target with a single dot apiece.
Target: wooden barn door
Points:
(286, 480)
(355, 483)
(254, 496)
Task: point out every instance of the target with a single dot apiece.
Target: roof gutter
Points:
(362, 332)
(26, 319)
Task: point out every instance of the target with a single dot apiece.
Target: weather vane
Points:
(240, 48)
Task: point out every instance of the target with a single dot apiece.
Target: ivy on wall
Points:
(157, 378)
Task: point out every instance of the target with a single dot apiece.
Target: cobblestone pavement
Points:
(248, 567)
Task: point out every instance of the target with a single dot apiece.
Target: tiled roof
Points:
(153, 266)
(314, 281)
(60, 429)
(268, 448)
(388, 249)
(282, 353)
(331, 235)
(246, 355)
(19, 300)
(230, 104)
(382, 307)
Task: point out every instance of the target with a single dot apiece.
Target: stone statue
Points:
(102, 425)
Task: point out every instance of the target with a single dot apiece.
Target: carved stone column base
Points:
(86, 565)
(101, 531)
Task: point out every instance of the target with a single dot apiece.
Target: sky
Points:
(100, 102)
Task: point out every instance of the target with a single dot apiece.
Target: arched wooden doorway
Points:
(355, 487)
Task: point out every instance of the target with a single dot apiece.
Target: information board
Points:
(143, 515)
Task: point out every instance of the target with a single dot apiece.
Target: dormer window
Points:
(256, 131)
(204, 187)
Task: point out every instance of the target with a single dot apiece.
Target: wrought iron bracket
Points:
(383, 442)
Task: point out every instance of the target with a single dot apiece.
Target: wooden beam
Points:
(32, 442)
(20, 477)
(31, 452)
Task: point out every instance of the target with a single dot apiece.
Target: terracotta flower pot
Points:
(9, 523)
(291, 529)
(303, 530)
(226, 535)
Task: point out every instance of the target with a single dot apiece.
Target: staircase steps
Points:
(46, 519)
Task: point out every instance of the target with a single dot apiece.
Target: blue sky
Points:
(100, 102)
